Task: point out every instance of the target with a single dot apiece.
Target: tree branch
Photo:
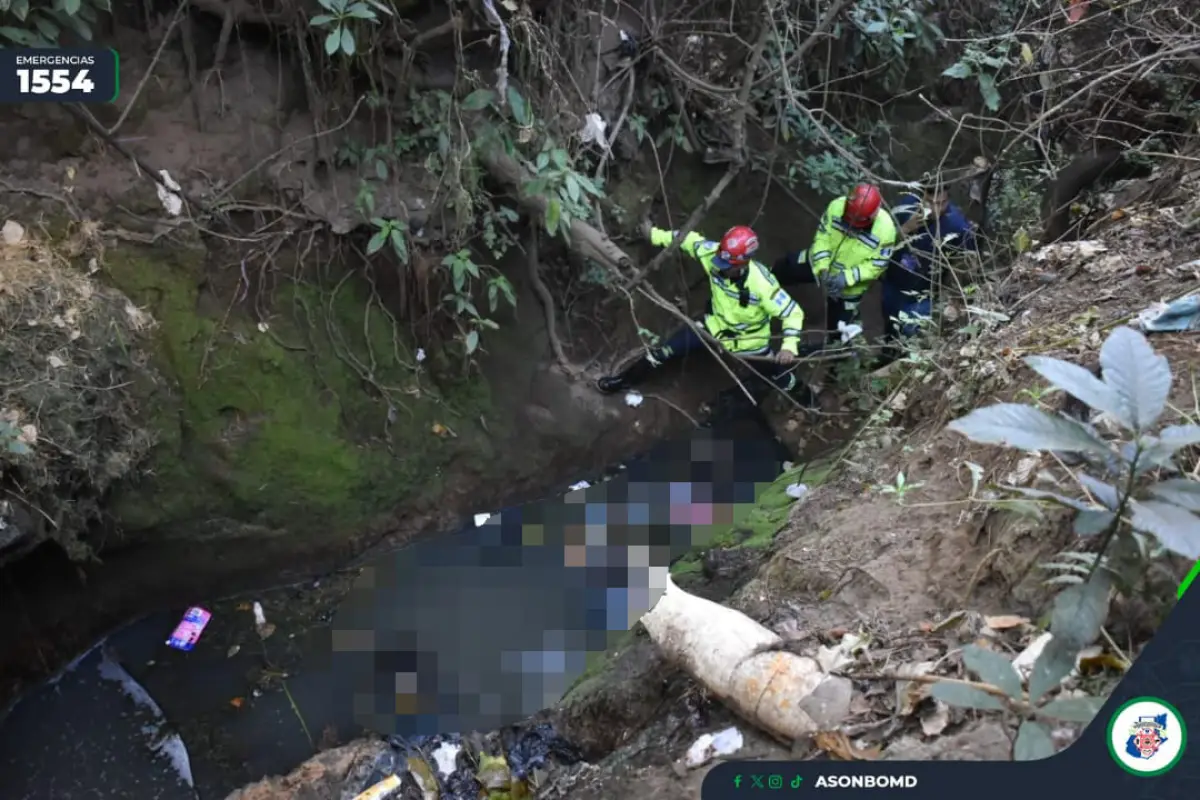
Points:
(735, 166)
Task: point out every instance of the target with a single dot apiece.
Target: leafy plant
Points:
(1138, 492)
(1007, 693)
(985, 66)
(341, 15)
(464, 277)
(901, 487)
(26, 24)
(389, 231)
(568, 193)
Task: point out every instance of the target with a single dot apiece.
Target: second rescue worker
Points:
(745, 297)
(850, 251)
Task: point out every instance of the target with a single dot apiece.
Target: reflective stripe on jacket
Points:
(862, 256)
(741, 311)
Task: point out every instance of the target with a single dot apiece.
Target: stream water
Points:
(469, 631)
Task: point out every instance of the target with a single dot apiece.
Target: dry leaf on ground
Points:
(838, 745)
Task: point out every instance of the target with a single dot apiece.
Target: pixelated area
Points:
(482, 628)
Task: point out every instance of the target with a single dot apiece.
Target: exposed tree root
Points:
(548, 305)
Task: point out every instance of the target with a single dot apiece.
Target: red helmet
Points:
(737, 247)
(862, 204)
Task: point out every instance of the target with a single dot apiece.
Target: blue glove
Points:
(835, 284)
(909, 262)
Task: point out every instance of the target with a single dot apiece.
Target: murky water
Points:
(465, 632)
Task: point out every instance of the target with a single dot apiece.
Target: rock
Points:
(986, 740)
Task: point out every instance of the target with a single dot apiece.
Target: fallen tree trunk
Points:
(585, 239)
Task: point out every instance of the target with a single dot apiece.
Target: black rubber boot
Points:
(627, 378)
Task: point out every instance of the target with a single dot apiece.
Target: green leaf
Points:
(1093, 523)
(1033, 742)
(320, 20)
(333, 41)
(1027, 428)
(71, 6)
(20, 8)
(1178, 437)
(520, 109)
(1055, 663)
(1072, 709)
(381, 170)
(47, 28)
(586, 184)
(1082, 384)
(543, 161)
(1106, 493)
(472, 342)
(1079, 613)
(1140, 377)
(399, 245)
(477, 100)
(18, 448)
(876, 27)
(380, 222)
(76, 23)
(1180, 491)
(560, 158)
(553, 216)
(956, 694)
(993, 668)
(572, 188)
(959, 70)
(377, 241)
(987, 88)
(347, 41)
(359, 11)
(1177, 528)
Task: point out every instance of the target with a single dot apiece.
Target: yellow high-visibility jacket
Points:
(862, 256)
(741, 313)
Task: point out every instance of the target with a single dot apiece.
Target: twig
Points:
(670, 404)
(608, 144)
(81, 113)
(349, 118)
(175, 20)
(735, 166)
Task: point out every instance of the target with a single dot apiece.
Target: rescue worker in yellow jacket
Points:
(850, 251)
(745, 298)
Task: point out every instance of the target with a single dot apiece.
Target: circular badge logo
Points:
(1147, 736)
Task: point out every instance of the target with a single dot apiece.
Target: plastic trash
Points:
(188, 631)
(796, 490)
(848, 332)
(634, 399)
(574, 487)
(171, 202)
(534, 746)
(481, 519)
(593, 131)
(711, 745)
(1180, 315)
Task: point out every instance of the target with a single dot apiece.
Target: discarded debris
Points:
(796, 490)
(381, 789)
(1178, 316)
(574, 487)
(838, 745)
(594, 130)
(233, 650)
(1063, 251)
(264, 628)
(237, 702)
(633, 399)
(481, 519)
(171, 202)
(13, 233)
(188, 631)
(741, 662)
(1004, 622)
(711, 745)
